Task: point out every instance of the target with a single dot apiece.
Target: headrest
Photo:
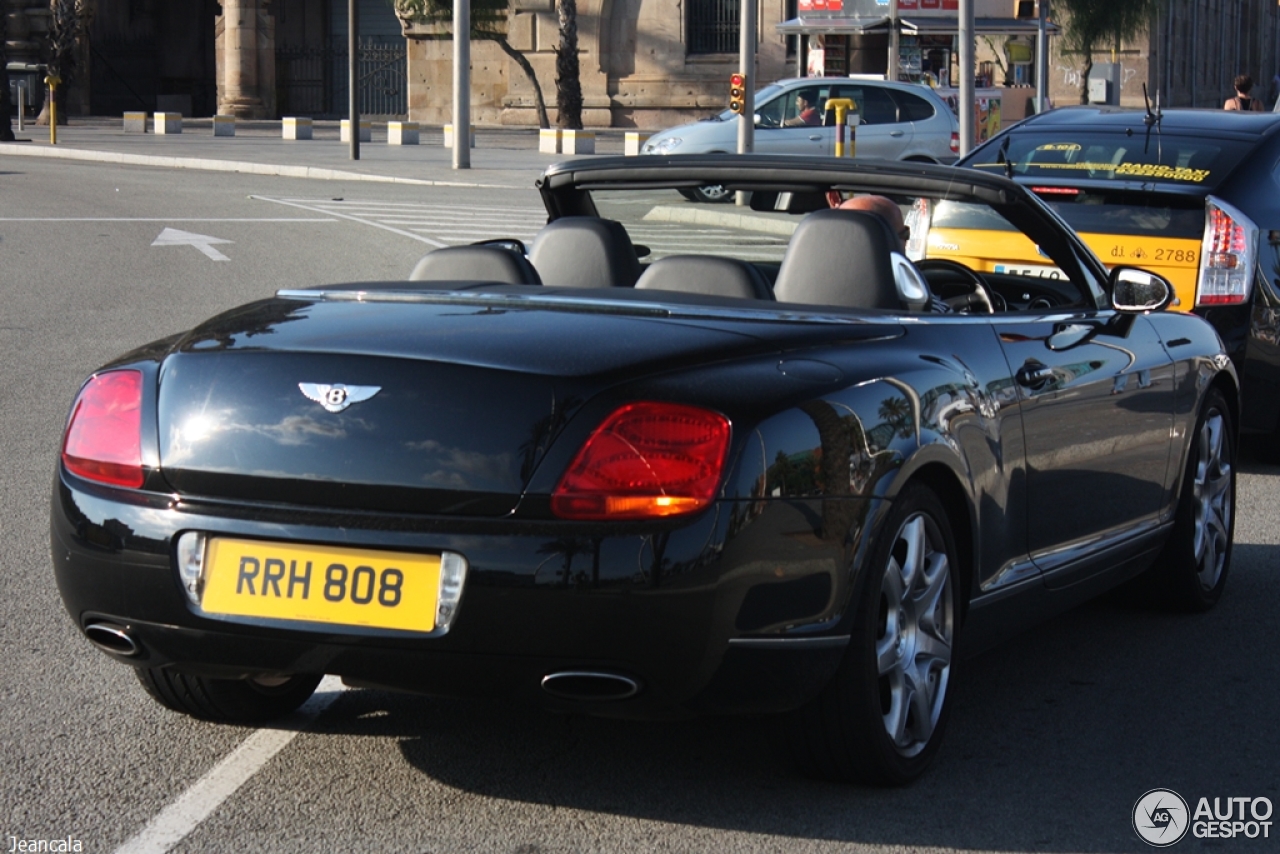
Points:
(841, 258)
(475, 263)
(706, 274)
(585, 252)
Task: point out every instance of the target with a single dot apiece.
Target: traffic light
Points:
(737, 92)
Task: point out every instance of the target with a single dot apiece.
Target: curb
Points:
(698, 216)
(209, 165)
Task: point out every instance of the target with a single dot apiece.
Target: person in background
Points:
(806, 112)
(1242, 101)
(881, 206)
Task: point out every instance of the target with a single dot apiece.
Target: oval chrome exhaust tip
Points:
(592, 685)
(112, 638)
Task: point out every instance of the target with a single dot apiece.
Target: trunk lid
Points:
(444, 407)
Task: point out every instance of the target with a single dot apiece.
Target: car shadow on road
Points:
(1054, 737)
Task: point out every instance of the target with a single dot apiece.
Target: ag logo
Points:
(1160, 817)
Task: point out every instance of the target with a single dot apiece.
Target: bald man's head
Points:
(883, 207)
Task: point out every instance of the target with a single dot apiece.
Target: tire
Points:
(1191, 572)
(227, 700)
(881, 719)
(711, 194)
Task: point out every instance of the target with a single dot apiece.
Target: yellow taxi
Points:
(1193, 195)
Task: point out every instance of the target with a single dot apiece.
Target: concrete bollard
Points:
(366, 131)
(402, 133)
(632, 142)
(167, 123)
(448, 136)
(578, 142)
(549, 140)
(224, 125)
(295, 128)
(134, 122)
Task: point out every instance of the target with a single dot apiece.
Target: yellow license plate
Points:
(315, 584)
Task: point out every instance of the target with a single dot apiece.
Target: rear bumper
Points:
(666, 611)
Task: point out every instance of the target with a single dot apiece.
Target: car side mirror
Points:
(756, 122)
(1137, 291)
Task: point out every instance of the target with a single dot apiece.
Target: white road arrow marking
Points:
(203, 242)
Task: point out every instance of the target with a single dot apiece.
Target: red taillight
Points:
(955, 143)
(646, 460)
(1226, 256)
(103, 441)
(1055, 191)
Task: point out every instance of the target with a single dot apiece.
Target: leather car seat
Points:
(585, 252)
(706, 274)
(844, 258)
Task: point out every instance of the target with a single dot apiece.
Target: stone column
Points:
(239, 94)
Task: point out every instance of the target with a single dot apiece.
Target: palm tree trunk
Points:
(523, 61)
(6, 128)
(1084, 78)
(568, 85)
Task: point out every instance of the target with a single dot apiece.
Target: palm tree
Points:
(1093, 23)
(6, 128)
(568, 82)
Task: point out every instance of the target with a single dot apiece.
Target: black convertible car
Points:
(790, 473)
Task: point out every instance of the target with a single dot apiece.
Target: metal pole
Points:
(1042, 57)
(895, 42)
(353, 75)
(22, 102)
(747, 63)
(967, 67)
(461, 84)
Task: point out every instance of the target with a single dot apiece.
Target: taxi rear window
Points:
(1137, 157)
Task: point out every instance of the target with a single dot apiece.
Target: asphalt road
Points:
(1053, 738)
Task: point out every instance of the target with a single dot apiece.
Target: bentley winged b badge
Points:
(337, 397)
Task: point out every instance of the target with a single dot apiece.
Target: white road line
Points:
(399, 231)
(156, 219)
(426, 206)
(197, 803)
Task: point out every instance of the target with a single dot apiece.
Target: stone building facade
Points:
(637, 68)
(644, 63)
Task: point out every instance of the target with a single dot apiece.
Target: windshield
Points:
(1138, 156)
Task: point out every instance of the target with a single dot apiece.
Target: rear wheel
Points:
(1191, 572)
(881, 719)
(258, 698)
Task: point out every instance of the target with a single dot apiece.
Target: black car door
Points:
(1096, 391)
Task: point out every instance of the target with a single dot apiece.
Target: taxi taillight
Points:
(1226, 255)
(646, 460)
(955, 143)
(103, 440)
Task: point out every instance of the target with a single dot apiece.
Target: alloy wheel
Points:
(1213, 501)
(915, 635)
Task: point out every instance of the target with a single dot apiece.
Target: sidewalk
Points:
(502, 157)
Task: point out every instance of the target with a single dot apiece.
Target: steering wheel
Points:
(979, 298)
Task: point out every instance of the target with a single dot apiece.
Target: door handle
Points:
(896, 133)
(816, 137)
(1034, 374)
